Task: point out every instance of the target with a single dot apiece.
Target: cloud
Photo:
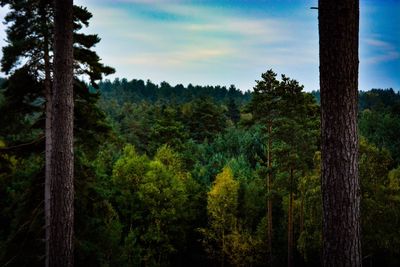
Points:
(211, 33)
(184, 41)
(378, 51)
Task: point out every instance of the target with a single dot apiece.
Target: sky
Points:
(224, 42)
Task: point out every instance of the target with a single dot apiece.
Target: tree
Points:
(222, 203)
(380, 199)
(338, 40)
(153, 204)
(233, 111)
(28, 57)
(61, 250)
(290, 119)
(264, 109)
(203, 118)
(167, 129)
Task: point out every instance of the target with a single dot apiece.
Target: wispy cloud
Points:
(207, 41)
(379, 51)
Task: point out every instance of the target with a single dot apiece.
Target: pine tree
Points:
(28, 59)
(264, 109)
(60, 240)
(291, 119)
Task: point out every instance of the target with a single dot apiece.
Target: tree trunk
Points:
(269, 189)
(48, 97)
(61, 184)
(47, 86)
(290, 221)
(338, 31)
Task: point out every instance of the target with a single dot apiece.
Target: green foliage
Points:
(29, 43)
(233, 111)
(152, 198)
(222, 202)
(99, 228)
(380, 199)
(136, 91)
(310, 239)
(168, 129)
(203, 119)
(21, 220)
(381, 128)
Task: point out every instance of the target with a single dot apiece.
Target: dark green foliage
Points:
(382, 129)
(203, 119)
(380, 199)
(233, 111)
(380, 100)
(21, 120)
(168, 129)
(29, 39)
(138, 90)
(21, 231)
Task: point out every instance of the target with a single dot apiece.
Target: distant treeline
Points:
(140, 90)
(373, 99)
(123, 90)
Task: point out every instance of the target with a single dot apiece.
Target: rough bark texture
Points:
(48, 97)
(61, 185)
(338, 31)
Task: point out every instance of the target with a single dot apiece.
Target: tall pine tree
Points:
(28, 59)
(60, 239)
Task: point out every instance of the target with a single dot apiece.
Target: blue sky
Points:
(232, 42)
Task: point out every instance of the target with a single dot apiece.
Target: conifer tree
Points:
(27, 58)
(61, 233)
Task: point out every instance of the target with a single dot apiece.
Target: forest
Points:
(182, 175)
(165, 177)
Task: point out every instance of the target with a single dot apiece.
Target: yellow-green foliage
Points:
(10, 162)
(222, 201)
(244, 249)
(130, 167)
(394, 179)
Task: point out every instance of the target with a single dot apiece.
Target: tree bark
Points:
(62, 157)
(48, 97)
(338, 31)
(47, 86)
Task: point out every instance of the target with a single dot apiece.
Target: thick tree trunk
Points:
(290, 222)
(62, 184)
(269, 189)
(338, 31)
